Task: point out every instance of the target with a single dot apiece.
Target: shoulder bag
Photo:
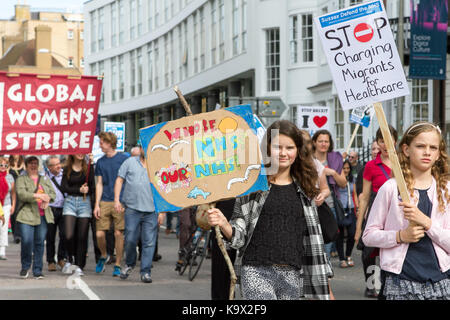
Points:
(328, 223)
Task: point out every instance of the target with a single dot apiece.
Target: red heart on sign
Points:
(320, 121)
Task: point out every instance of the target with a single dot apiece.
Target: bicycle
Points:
(194, 256)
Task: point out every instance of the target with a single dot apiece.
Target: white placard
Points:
(362, 55)
(313, 118)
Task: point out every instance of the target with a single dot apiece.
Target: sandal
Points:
(343, 264)
(350, 262)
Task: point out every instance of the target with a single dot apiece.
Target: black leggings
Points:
(77, 231)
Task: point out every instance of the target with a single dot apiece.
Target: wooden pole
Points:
(233, 277)
(395, 164)
(352, 138)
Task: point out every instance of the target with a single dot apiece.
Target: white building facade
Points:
(221, 53)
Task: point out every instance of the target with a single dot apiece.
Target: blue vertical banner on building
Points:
(428, 48)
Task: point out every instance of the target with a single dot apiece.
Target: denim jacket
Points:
(316, 268)
(29, 212)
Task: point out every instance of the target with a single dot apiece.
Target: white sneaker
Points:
(79, 272)
(66, 269)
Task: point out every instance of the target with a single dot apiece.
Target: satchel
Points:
(340, 212)
(328, 223)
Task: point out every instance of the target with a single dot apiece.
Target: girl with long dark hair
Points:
(276, 232)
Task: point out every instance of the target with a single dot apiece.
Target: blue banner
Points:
(428, 47)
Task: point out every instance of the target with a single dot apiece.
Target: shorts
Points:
(108, 214)
(77, 207)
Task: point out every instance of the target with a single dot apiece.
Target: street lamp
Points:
(45, 50)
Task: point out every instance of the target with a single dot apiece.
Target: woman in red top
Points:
(376, 173)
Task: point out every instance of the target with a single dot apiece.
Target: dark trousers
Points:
(220, 274)
(350, 239)
(15, 230)
(51, 236)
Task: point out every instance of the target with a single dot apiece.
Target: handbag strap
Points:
(349, 196)
(384, 171)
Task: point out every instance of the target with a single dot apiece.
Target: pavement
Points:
(347, 284)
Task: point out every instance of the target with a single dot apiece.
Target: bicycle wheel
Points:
(186, 262)
(198, 255)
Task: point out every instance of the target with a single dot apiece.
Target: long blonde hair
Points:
(440, 169)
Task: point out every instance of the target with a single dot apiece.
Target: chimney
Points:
(43, 47)
(22, 12)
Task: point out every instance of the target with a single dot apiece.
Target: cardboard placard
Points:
(203, 158)
(362, 55)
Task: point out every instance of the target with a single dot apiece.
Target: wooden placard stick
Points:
(395, 164)
(219, 237)
(352, 138)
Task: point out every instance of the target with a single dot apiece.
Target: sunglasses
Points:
(3, 165)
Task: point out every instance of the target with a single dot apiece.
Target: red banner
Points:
(52, 115)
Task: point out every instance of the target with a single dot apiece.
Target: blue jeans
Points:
(143, 225)
(32, 245)
(330, 247)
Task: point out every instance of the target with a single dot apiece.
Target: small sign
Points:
(362, 55)
(362, 115)
(313, 118)
(118, 128)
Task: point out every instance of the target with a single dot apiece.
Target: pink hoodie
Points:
(386, 218)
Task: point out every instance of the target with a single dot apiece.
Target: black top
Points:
(72, 185)
(278, 235)
(421, 263)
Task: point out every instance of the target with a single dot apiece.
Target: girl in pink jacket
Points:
(415, 258)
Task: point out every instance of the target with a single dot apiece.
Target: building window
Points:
(235, 27)
(307, 38)
(82, 63)
(121, 77)
(150, 67)
(139, 71)
(122, 22)
(81, 34)
(70, 34)
(157, 7)
(132, 73)
(156, 52)
(93, 69)
(338, 124)
(70, 62)
(195, 43)
(293, 34)
(150, 15)
(419, 100)
(113, 79)
(94, 31)
(166, 61)
(140, 13)
(221, 30)
(180, 53)
(202, 39)
(101, 71)
(166, 10)
(132, 19)
(244, 25)
(185, 60)
(113, 24)
(273, 59)
(353, 2)
(213, 32)
(101, 23)
(341, 4)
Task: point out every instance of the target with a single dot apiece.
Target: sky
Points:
(7, 6)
